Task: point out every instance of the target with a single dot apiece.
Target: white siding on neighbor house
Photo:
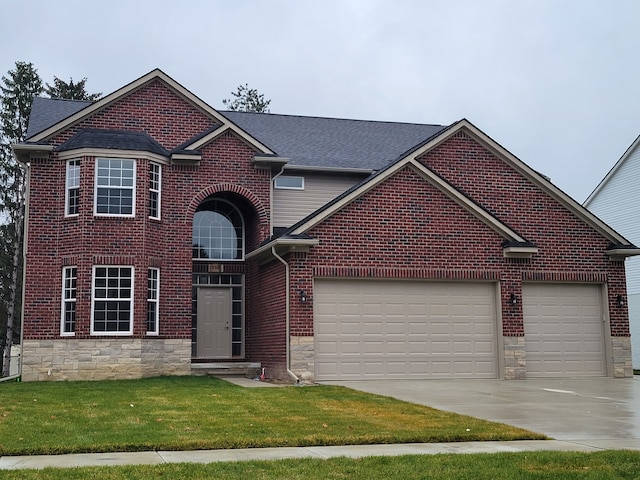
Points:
(290, 206)
(617, 202)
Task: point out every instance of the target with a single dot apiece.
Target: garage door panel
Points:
(564, 330)
(406, 329)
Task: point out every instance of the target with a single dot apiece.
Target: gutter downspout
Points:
(287, 313)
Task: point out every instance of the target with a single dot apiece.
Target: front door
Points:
(214, 322)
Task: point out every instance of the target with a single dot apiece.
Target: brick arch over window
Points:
(261, 211)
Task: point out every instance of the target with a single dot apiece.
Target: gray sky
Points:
(555, 82)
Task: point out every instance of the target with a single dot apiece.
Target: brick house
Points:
(166, 238)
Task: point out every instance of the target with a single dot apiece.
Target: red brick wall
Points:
(265, 312)
(406, 228)
(86, 240)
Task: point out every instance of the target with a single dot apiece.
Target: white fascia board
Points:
(291, 244)
(111, 153)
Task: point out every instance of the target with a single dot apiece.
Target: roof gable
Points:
(86, 111)
(512, 238)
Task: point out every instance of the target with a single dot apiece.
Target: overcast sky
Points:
(555, 82)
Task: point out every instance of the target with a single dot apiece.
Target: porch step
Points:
(247, 369)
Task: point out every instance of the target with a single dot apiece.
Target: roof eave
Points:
(25, 151)
(619, 254)
(282, 246)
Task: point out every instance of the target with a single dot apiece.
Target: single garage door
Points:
(564, 330)
(391, 329)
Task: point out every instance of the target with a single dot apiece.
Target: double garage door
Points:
(404, 329)
(391, 329)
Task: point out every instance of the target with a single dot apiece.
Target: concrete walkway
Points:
(352, 451)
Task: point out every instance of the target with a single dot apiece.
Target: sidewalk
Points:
(352, 451)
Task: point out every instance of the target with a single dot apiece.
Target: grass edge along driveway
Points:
(192, 413)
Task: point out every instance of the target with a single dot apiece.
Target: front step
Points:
(246, 369)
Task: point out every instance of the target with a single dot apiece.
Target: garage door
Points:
(564, 330)
(404, 330)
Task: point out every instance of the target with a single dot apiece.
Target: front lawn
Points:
(189, 413)
(497, 466)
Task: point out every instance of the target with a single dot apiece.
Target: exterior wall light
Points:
(303, 296)
(513, 299)
(620, 301)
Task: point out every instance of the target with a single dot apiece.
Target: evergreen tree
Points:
(70, 90)
(17, 91)
(247, 100)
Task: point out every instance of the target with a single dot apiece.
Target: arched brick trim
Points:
(232, 188)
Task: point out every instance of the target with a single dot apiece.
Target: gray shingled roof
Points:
(113, 139)
(306, 141)
(332, 142)
(46, 112)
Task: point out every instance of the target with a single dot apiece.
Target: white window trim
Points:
(131, 303)
(67, 189)
(133, 189)
(159, 190)
(64, 302)
(285, 187)
(156, 301)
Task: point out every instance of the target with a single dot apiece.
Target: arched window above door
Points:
(218, 231)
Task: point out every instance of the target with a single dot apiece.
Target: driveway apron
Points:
(564, 409)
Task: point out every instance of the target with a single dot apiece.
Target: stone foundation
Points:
(104, 359)
(515, 367)
(303, 358)
(621, 353)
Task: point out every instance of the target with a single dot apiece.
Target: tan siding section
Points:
(290, 206)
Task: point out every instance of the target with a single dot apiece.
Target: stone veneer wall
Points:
(622, 358)
(104, 359)
(514, 360)
(302, 354)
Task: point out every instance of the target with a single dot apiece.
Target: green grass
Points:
(500, 466)
(189, 413)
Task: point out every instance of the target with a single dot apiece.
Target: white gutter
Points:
(287, 313)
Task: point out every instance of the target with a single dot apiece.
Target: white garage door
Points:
(564, 330)
(404, 329)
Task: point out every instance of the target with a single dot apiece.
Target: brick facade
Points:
(403, 228)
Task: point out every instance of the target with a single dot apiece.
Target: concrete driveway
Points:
(600, 409)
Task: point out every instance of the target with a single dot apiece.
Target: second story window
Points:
(72, 195)
(288, 182)
(154, 190)
(115, 187)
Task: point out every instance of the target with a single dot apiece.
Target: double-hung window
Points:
(154, 190)
(72, 195)
(115, 191)
(69, 289)
(153, 312)
(112, 308)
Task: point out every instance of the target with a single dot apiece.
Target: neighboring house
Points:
(617, 201)
(165, 237)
